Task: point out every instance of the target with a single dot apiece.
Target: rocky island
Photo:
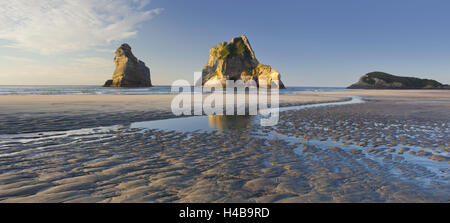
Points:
(236, 61)
(381, 80)
(130, 71)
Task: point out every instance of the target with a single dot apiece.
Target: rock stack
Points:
(130, 71)
(236, 61)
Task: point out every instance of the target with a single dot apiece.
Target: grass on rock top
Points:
(234, 49)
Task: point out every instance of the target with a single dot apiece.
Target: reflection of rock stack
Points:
(223, 122)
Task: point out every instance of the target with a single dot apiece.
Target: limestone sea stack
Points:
(236, 61)
(381, 80)
(130, 71)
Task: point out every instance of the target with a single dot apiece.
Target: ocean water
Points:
(98, 90)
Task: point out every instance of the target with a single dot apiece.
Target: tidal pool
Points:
(222, 122)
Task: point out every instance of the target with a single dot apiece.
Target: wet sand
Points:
(391, 149)
(27, 114)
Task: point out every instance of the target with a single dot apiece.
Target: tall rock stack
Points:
(130, 71)
(236, 61)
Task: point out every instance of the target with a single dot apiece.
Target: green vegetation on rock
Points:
(383, 80)
(407, 81)
(234, 49)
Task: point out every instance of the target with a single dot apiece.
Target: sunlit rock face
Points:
(130, 71)
(236, 61)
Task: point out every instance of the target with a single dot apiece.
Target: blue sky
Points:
(311, 43)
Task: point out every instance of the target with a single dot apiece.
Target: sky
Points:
(311, 43)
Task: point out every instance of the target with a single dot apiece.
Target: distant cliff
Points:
(381, 80)
(130, 71)
(236, 61)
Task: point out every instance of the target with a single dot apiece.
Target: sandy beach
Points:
(394, 147)
(389, 94)
(35, 113)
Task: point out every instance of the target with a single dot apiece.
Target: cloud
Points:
(55, 26)
(66, 71)
(102, 50)
(18, 59)
(94, 62)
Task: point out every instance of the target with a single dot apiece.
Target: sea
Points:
(98, 90)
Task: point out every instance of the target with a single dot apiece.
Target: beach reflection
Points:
(223, 122)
